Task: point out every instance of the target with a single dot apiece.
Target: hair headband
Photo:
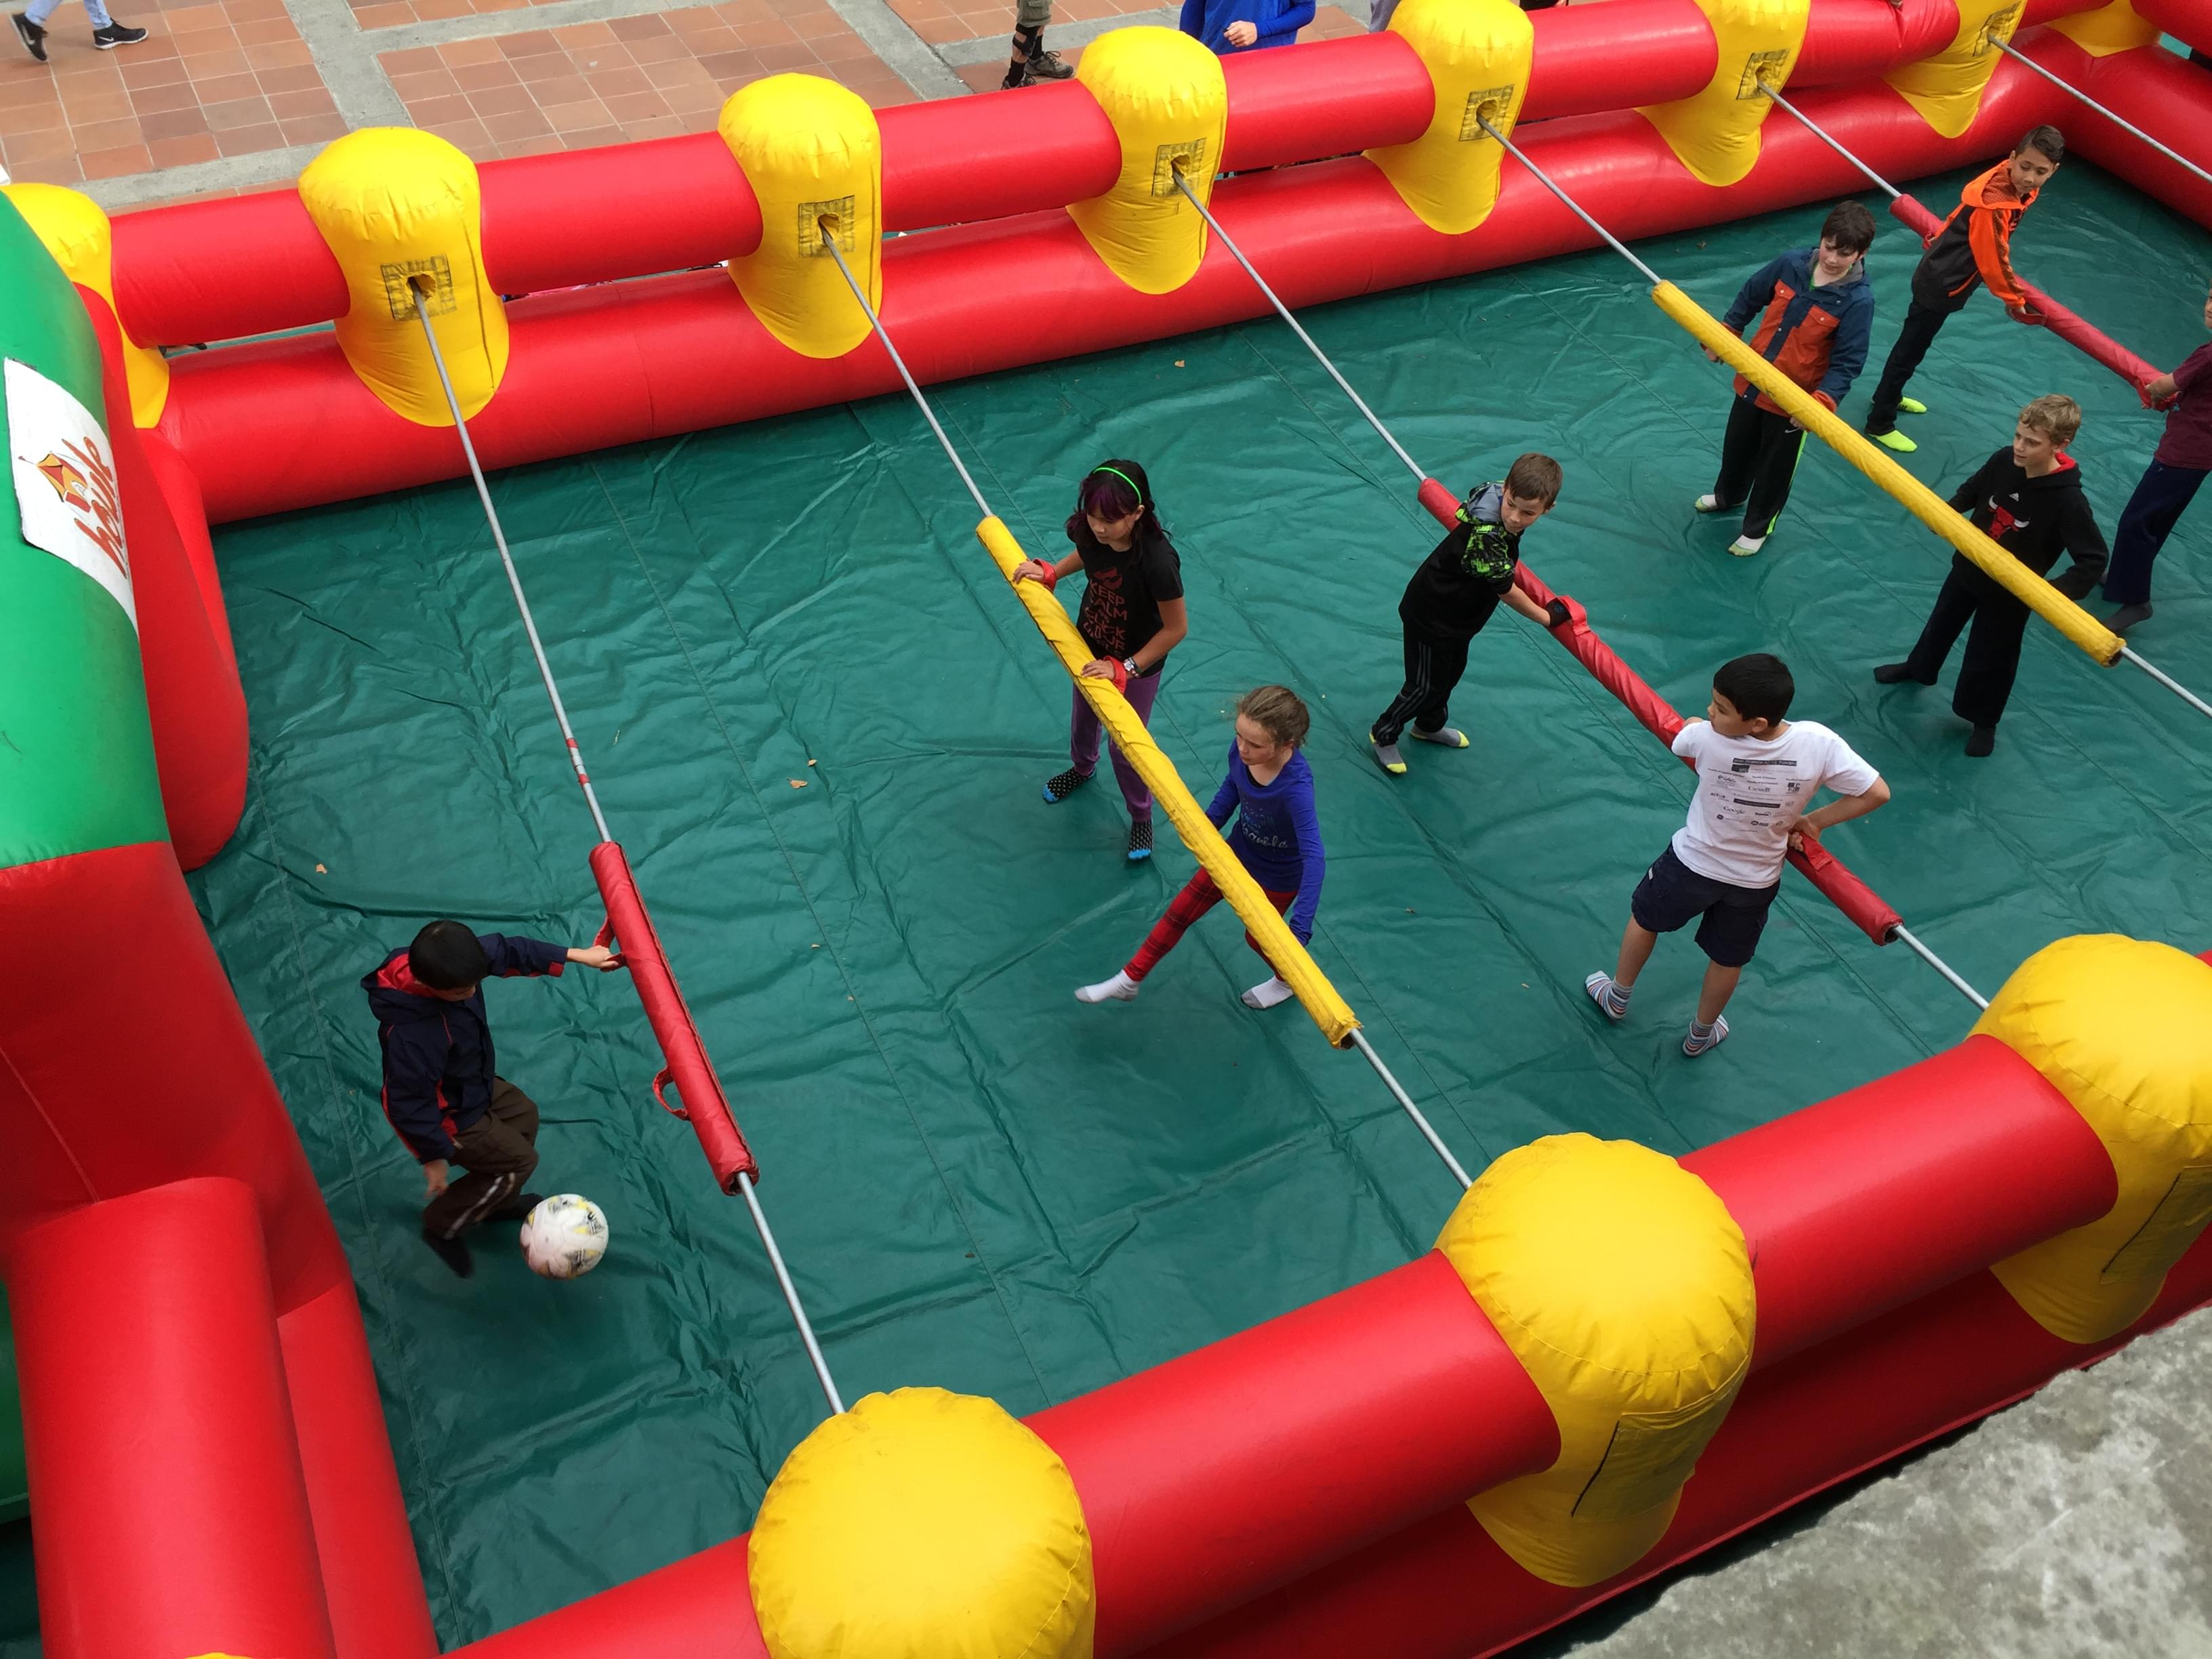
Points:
(1123, 476)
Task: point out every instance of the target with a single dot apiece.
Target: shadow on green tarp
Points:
(820, 725)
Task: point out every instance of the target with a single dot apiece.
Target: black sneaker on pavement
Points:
(117, 34)
(32, 35)
(1018, 75)
(1046, 65)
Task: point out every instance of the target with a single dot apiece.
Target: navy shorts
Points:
(1671, 893)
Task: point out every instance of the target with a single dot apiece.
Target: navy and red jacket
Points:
(1816, 335)
(438, 1054)
(1974, 246)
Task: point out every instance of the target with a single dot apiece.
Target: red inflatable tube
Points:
(2186, 20)
(557, 220)
(2092, 342)
(1652, 51)
(192, 691)
(372, 1582)
(181, 490)
(1879, 1197)
(1443, 1591)
(1871, 1218)
(705, 1108)
(2167, 96)
(123, 1079)
(166, 1488)
(285, 423)
(1197, 1502)
(668, 203)
(1860, 904)
(699, 1606)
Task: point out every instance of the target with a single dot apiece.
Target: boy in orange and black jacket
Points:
(1974, 248)
(1818, 314)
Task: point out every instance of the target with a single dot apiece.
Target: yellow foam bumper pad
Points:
(922, 1525)
(1923, 503)
(401, 212)
(2124, 1029)
(1622, 1284)
(1163, 92)
(2109, 28)
(74, 229)
(1286, 955)
(1947, 87)
(811, 152)
(1476, 53)
(1714, 132)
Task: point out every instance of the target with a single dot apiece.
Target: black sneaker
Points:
(2128, 615)
(453, 1252)
(117, 34)
(519, 1210)
(1061, 784)
(1045, 66)
(1892, 674)
(32, 35)
(1982, 742)
(1140, 840)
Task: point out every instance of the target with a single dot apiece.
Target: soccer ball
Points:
(564, 1237)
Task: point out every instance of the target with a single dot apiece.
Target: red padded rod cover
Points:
(165, 1490)
(1326, 98)
(705, 1106)
(1623, 55)
(949, 161)
(1865, 909)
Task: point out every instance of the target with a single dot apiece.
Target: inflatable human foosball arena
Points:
(1611, 1358)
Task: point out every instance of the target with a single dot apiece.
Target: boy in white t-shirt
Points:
(1757, 773)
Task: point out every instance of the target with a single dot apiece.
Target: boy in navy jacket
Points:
(1229, 26)
(1819, 316)
(441, 1091)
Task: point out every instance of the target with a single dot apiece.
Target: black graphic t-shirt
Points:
(1461, 580)
(1122, 592)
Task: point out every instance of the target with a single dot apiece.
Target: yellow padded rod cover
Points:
(1285, 954)
(1476, 53)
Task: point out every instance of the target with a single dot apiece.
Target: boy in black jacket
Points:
(1453, 594)
(440, 1091)
(2028, 500)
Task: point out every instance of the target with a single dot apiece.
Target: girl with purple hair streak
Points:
(1132, 614)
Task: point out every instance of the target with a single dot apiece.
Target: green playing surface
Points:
(819, 723)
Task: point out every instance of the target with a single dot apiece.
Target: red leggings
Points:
(1199, 895)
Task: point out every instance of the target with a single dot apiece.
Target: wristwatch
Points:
(1130, 663)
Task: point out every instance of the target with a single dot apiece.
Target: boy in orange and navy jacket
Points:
(1974, 248)
(1820, 314)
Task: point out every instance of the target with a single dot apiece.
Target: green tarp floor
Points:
(820, 724)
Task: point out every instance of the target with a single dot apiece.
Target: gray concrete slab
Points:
(2077, 1523)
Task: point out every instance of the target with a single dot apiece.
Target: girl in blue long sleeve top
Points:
(1277, 840)
(1227, 25)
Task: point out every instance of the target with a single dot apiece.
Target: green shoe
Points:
(1912, 406)
(1894, 440)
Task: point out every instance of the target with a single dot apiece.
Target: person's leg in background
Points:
(2160, 498)
(1922, 324)
(1031, 62)
(499, 1151)
(1136, 794)
(1781, 445)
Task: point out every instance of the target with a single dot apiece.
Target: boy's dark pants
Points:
(2151, 511)
(1992, 658)
(1759, 459)
(499, 1151)
(1922, 324)
(1434, 662)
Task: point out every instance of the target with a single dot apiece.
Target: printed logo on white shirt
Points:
(1750, 793)
(66, 492)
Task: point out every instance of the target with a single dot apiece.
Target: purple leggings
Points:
(1084, 733)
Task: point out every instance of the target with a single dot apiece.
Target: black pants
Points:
(499, 1151)
(1434, 662)
(1992, 658)
(1759, 459)
(2151, 511)
(1922, 324)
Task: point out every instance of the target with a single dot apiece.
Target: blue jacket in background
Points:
(1278, 21)
(437, 1054)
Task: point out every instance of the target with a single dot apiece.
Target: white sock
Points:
(1119, 988)
(1267, 992)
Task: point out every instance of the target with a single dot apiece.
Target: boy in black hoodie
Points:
(2028, 500)
(440, 1091)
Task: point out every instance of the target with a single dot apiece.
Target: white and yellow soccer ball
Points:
(564, 1237)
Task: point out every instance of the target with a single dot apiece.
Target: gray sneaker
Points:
(1388, 757)
(2128, 615)
(1443, 736)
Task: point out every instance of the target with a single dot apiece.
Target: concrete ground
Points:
(2077, 1523)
